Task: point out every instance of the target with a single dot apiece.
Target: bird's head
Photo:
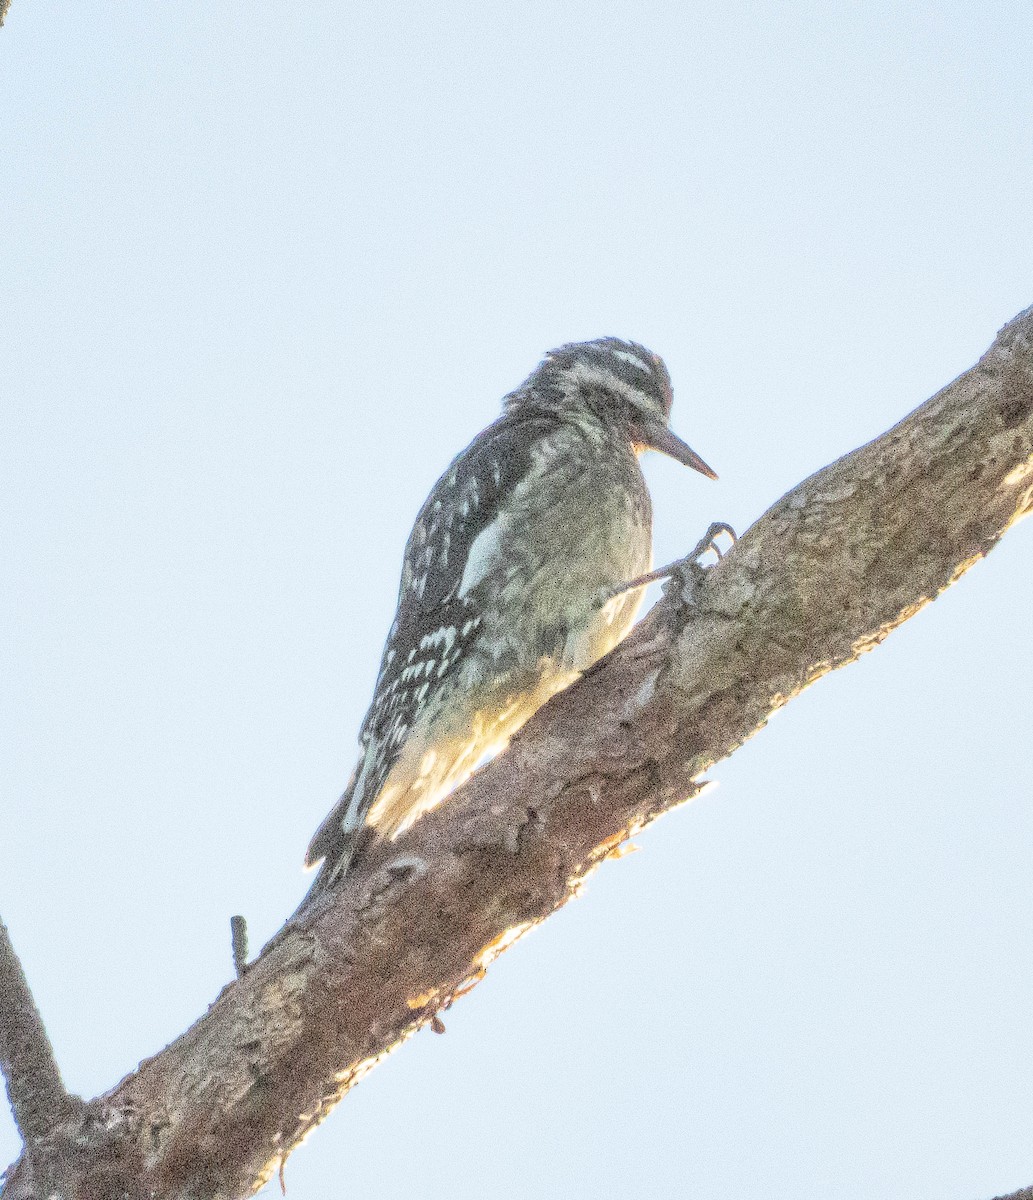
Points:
(621, 384)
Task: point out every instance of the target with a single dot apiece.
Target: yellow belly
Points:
(443, 751)
(541, 622)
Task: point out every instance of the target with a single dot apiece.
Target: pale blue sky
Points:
(263, 270)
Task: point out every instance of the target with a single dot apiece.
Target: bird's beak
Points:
(658, 437)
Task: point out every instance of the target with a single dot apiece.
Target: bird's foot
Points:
(706, 543)
(681, 567)
(686, 575)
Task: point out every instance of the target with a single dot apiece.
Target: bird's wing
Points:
(454, 544)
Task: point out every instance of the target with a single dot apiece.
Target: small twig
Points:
(37, 1095)
(4, 6)
(238, 937)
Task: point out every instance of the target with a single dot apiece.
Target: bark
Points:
(37, 1096)
(822, 577)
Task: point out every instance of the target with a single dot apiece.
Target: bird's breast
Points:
(579, 526)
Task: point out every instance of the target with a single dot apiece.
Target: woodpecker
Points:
(513, 583)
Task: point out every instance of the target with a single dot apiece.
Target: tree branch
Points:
(34, 1088)
(822, 577)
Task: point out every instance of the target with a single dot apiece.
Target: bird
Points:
(514, 581)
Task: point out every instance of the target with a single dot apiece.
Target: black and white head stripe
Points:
(624, 369)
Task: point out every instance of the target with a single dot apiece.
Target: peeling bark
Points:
(822, 577)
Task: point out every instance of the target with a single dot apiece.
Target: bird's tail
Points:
(340, 839)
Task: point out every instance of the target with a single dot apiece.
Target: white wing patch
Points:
(484, 553)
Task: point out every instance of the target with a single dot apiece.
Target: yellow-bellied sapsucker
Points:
(508, 582)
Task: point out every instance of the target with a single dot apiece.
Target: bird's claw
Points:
(690, 563)
(709, 542)
(687, 573)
